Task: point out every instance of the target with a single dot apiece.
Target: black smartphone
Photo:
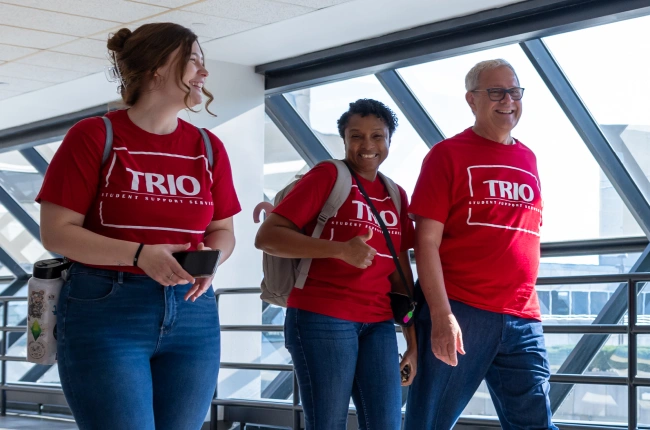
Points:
(200, 264)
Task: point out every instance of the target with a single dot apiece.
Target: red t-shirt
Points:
(153, 188)
(488, 196)
(334, 287)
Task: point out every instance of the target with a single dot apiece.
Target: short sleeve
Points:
(224, 196)
(305, 201)
(72, 178)
(432, 194)
(408, 231)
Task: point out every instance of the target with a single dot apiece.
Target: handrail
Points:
(631, 329)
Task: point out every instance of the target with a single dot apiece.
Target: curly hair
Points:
(137, 54)
(365, 107)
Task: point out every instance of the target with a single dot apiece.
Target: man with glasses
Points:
(478, 211)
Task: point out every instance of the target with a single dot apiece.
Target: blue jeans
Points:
(133, 354)
(335, 358)
(507, 351)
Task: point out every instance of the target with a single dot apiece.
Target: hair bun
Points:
(117, 40)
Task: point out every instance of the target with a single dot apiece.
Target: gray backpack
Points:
(108, 146)
(281, 275)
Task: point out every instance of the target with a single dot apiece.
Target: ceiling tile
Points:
(86, 47)
(37, 73)
(58, 60)
(22, 85)
(103, 35)
(167, 3)
(202, 25)
(119, 10)
(31, 38)
(50, 21)
(318, 4)
(9, 52)
(5, 94)
(258, 11)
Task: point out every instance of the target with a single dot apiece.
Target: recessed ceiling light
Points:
(198, 23)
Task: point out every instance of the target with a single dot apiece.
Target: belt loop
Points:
(120, 277)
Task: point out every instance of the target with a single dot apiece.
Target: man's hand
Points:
(446, 338)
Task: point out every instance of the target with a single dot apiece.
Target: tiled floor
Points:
(28, 422)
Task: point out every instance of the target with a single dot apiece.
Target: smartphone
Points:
(200, 264)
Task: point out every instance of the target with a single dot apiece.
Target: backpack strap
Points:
(337, 197)
(393, 192)
(208, 146)
(108, 146)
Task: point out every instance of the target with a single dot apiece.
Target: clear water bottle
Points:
(43, 291)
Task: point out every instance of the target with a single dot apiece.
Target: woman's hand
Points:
(410, 359)
(159, 264)
(356, 252)
(201, 285)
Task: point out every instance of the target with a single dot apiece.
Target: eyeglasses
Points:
(498, 94)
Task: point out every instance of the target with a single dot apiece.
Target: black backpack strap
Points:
(208, 146)
(108, 146)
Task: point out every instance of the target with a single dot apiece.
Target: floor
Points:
(31, 422)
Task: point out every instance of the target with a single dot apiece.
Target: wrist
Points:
(338, 249)
(138, 254)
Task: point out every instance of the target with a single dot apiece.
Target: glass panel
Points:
(21, 180)
(598, 404)
(255, 385)
(643, 304)
(281, 161)
(47, 151)
(272, 347)
(560, 304)
(606, 68)
(19, 243)
(643, 356)
(481, 404)
(643, 401)
(322, 106)
(576, 205)
(574, 303)
(587, 264)
(579, 303)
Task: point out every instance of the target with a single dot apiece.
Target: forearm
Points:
(223, 240)
(287, 243)
(84, 246)
(431, 278)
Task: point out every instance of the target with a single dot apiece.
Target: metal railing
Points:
(21, 392)
(262, 412)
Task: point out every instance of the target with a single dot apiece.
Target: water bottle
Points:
(43, 291)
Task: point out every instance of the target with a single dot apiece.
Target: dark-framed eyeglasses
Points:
(498, 94)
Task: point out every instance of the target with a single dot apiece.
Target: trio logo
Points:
(185, 185)
(511, 190)
(504, 197)
(389, 217)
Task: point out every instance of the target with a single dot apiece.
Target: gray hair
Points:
(471, 80)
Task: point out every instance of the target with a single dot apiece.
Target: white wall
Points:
(239, 106)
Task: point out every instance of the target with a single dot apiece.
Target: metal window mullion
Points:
(411, 107)
(297, 132)
(19, 213)
(35, 159)
(11, 264)
(588, 129)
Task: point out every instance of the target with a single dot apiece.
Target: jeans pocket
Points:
(88, 287)
(209, 293)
